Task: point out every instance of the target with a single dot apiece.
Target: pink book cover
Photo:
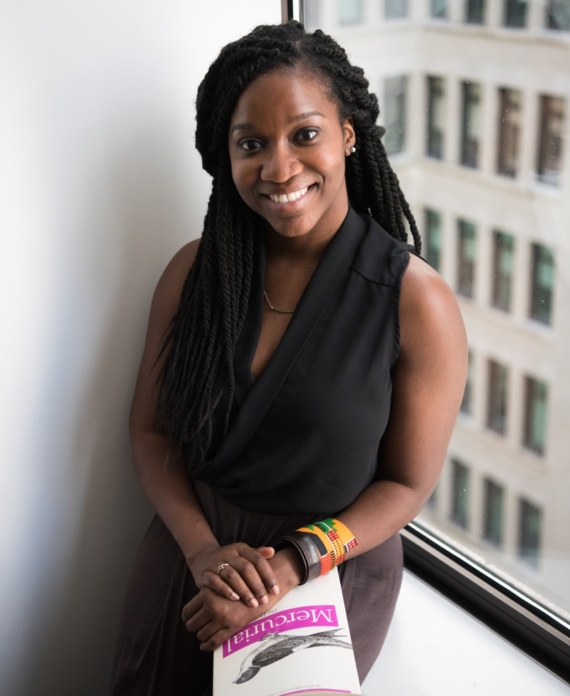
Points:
(302, 646)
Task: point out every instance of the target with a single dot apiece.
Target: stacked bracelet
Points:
(321, 545)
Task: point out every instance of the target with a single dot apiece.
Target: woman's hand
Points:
(215, 618)
(237, 571)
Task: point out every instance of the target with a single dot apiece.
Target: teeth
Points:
(290, 197)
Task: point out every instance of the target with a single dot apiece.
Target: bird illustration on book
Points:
(275, 647)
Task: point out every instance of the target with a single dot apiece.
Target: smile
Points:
(289, 197)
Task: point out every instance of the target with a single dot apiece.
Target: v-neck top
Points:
(304, 437)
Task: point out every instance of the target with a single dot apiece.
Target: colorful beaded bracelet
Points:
(321, 545)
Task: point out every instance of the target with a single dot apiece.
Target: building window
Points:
(542, 284)
(509, 131)
(433, 238)
(474, 11)
(530, 529)
(466, 406)
(460, 494)
(395, 9)
(550, 139)
(435, 116)
(493, 505)
(310, 16)
(503, 267)
(395, 89)
(350, 12)
(438, 9)
(466, 258)
(497, 397)
(536, 397)
(470, 123)
(558, 15)
(515, 13)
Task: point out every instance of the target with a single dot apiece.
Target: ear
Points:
(349, 136)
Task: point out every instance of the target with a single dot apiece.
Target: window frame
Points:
(531, 627)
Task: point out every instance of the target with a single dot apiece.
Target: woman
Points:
(300, 364)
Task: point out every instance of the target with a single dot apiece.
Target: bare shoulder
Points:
(429, 313)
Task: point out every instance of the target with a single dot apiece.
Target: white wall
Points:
(99, 186)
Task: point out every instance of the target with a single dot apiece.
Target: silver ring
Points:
(221, 567)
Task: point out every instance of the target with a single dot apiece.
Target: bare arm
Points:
(429, 380)
(164, 476)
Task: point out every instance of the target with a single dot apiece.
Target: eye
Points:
(249, 144)
(306, 135)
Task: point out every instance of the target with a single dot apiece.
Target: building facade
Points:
(475, 99)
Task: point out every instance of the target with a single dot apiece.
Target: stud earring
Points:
(352, 150)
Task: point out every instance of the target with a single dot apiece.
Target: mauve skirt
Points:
(156, 656)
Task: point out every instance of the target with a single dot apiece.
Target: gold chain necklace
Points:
(274, 309)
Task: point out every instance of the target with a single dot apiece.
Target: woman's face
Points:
(287, 149)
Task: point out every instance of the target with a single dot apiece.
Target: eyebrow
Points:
(299, 117)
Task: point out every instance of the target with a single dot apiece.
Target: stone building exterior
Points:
(475, 97)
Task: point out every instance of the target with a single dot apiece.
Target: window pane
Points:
(493, 504)
(438, 8)
(509, 131)
(497, 397)
(530, 532)
(460, 494)
(558, 15)
(466, 249)
(550, 139)
(468, 393)
(542, 284)
(474, 11)
(350, 11)
(515, 13)
(435, 116)
(395, 114)
(470, 123)
(536, 397)
(395, 9)
(310, 16)
(433, 238)
(503, 268)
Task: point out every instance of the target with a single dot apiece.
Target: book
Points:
(301, 646)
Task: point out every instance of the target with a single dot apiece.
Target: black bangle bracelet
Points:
(308, 552)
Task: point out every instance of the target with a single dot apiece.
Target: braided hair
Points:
(198, 373)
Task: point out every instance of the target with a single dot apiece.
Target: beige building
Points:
(475, 98)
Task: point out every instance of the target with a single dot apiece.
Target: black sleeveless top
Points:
(304, 437)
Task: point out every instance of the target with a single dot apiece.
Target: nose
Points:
(280, 164)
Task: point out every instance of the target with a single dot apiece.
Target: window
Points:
(438, 9)
(542, 284)
(350, 12)
(470, 123)
(395, 114)
(435, 116)
(395, 9)
(550, 139)
(474, 11)
(310, 16)
(503, 267)
(536, 397)
(466, 249)
(466, 406)
(530, 528)
(558, 15)
(497, 397)
(515, 13)
(493, 503)
(433, 238)
(460, 494)
(509, 131)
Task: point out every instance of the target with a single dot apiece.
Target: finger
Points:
(266, 551)
(193, 607)
(257, 573)
(215, 640)
(215, 582)
(238, 584)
